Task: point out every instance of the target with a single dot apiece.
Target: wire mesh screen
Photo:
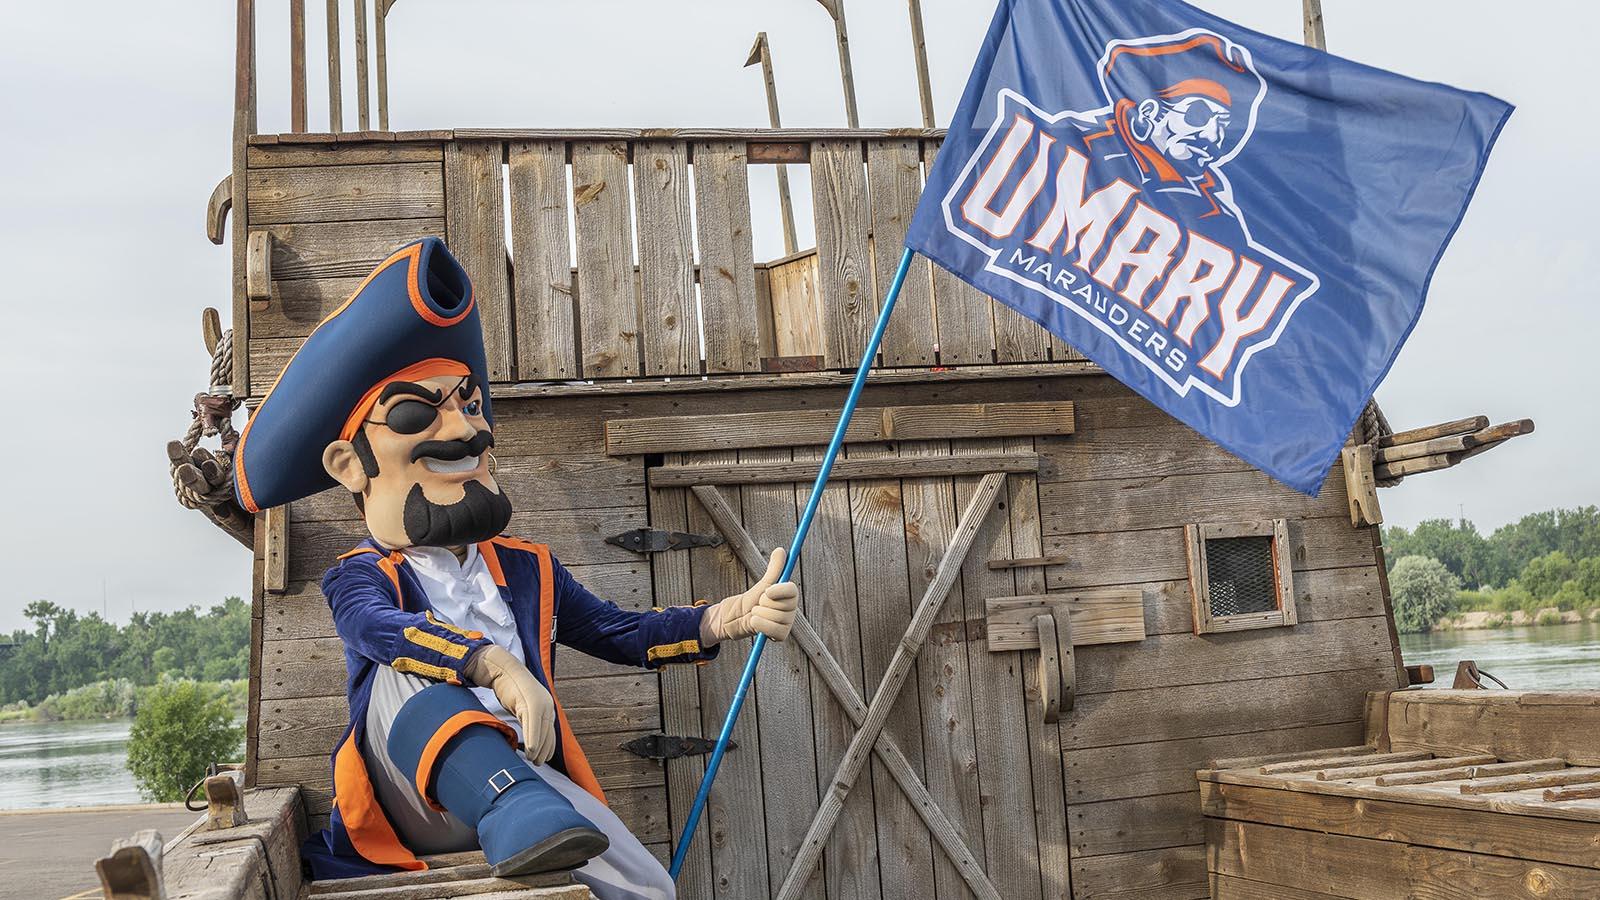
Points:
(1240, 577)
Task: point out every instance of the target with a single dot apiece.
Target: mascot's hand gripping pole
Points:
(760, 644)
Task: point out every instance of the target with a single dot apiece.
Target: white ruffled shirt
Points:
(465, 595)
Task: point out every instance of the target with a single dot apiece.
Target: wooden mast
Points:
(835, 9)
(335, 92)
(1315, 37)
(761, 52)
(919, 48)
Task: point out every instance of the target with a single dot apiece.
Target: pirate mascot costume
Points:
(456, 739)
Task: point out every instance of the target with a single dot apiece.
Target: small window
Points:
(1240, 577)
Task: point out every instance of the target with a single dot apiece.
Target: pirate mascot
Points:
(456, 739)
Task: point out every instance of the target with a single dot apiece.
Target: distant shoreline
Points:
(1484, 619)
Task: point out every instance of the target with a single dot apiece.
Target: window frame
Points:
(1196, 536)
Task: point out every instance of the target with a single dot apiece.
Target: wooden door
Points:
(966, 726)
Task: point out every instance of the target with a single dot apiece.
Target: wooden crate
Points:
(1460, 794)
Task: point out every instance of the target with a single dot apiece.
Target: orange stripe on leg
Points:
(452, 727)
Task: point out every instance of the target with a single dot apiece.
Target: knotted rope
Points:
(203, 479)
(1371, 426)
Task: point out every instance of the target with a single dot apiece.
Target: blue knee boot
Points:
(463, 761)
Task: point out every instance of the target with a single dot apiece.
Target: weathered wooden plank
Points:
(669, 323)
(547, 339)
(680, 699)
(1173, 873)
(1043, 739)
(282, 155)
(608, 311)
(1104, 559)
(1163, 767)
(1255, 761)
(1185, 658)
(894, 171)
(346, 193)
(786, 718)
(1135, 504)
(736, 809)
(1226, 887)
(475, 225)
(1369, 868)
(1470, 830)
(1136, 823)
(839, 200)
(794, 427)
(876, 522)
(944, 687)
(1508, 725)
(727, 258)
(1200, 710)
(828, 599)
(843, 469)
(295, 308)
(343, 249)
(792, 286)
(1098, 617)
(965, 316)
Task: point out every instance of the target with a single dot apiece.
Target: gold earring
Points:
(494, 464)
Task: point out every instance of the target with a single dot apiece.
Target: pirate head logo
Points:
(1122, 214)
(1181, 106)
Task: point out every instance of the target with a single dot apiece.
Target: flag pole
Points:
(748, 676)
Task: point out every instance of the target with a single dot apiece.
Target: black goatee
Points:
(479, 515)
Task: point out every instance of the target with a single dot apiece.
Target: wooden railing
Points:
(562, 292)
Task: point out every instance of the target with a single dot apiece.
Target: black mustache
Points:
(452, 450)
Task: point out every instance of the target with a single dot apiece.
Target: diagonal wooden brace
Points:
(894, 760)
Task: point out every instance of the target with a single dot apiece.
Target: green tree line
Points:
(1546, 559)
(66, 651)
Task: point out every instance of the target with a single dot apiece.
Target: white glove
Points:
(768, 608)
(520, 693)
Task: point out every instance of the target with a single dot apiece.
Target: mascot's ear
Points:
(341, 460)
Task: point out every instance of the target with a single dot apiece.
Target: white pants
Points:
(626, 871)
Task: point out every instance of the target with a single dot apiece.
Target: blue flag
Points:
(1239, 228)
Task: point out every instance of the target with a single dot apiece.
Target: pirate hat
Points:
(412, 318)
(1199, 64)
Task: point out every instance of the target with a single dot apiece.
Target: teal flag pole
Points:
(749, 674)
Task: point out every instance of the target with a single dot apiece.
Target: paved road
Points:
(50, 854)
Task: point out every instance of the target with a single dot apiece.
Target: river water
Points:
(1533, 658)
(85, 763)
(65, 764)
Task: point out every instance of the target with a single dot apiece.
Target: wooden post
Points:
(761, 52)
(835, 8)
(297, 65)
(919, 47)
(363, 101)
(381, 24)
(244, 125)
(1315, 37)
(335, 90)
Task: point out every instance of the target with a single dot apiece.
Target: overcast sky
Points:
(114, 127)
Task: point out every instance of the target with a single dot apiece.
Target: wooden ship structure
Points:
(1142, 669)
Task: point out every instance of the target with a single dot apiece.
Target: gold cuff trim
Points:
(411, 666)
(469, 635)
(435, 643)
(669, 651)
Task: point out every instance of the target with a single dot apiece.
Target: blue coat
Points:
(383, 616)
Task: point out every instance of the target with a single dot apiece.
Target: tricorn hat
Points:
(1168, 69)
(412, 318)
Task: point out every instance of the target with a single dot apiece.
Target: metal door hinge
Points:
(666, 746)
(648, 540)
